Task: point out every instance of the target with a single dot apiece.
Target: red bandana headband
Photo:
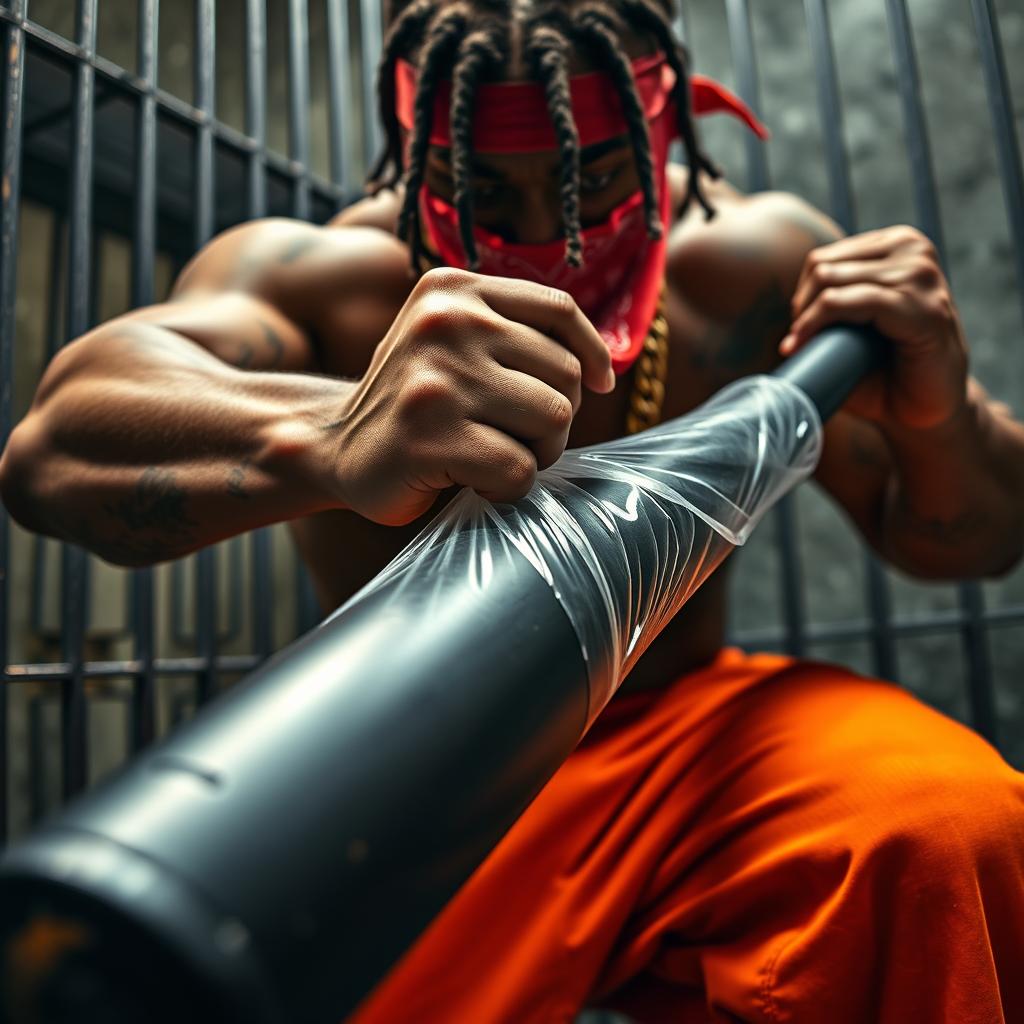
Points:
(513, 117)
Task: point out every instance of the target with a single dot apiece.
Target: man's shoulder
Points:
(753, 241)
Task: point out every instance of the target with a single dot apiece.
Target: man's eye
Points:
(596, 182)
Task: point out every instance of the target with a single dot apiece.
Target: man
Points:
(737, 837)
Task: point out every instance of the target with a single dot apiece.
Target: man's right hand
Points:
(475, 384)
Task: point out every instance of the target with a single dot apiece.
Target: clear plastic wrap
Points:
(622, 532)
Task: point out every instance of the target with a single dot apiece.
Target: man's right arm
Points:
(152, 435)
(142, 445)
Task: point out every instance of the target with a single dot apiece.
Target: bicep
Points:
(238, 328)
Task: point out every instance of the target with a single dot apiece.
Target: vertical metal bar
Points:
(926, 196)
(256, 103)
(206, 570)
(926, 201)
(10, 197)
(337, 72)
(143, 706)
(371, 29)
(298, 95)
(819, 33)
(256, 128)
(74, 564)
(1001, 106)
(741, 39)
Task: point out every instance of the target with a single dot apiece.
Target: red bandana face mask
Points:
(620, 282)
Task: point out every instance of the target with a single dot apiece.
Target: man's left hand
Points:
(892, 279)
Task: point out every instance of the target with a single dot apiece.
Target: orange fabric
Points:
(766, 840)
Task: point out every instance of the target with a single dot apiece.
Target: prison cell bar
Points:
(307, 609)
(143, 706)
(741, 38)
(10, 198)
(883, 645)
(980, 689)
(997, 88)
(74, 561)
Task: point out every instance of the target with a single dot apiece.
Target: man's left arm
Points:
(928, 466)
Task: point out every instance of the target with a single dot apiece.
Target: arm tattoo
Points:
(298, 247)
(157, 504)
(274, 343)
(236, 480)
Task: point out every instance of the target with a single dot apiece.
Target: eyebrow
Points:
(587, 155)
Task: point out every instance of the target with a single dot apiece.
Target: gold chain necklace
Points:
(648, 395)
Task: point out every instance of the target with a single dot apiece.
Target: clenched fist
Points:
(475, 384)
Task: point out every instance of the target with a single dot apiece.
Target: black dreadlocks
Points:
(476, 38)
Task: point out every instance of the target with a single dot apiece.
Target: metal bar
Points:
(189, 665)
(173, 107)
(256, 127)
(741, 39)
(942, 622)
(371, 31)
(926, 201)
(744, 58)
(205, 565)
(74, 562)
(337, 72)
(298, 96)
(143, 706)
(843, 209)
(256, 104)
(10, 198)
(926, 196)
(1004, 126)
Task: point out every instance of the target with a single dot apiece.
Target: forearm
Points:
(142, 446)
(953, 506)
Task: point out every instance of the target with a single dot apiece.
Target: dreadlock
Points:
(477, 37)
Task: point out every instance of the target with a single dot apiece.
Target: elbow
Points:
(21, 469)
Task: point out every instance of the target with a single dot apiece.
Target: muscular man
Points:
(738, 837)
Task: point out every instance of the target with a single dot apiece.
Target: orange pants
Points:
(766, 840)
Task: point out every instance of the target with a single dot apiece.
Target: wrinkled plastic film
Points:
(623, 532)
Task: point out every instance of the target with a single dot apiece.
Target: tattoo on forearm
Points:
(157, 504)
(236, 480)
(954, 532)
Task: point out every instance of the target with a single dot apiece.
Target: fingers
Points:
(555, 314)
(493, 464)
(530, 412)
(887, 308)
(529, 352)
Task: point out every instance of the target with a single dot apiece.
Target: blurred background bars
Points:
(929, 220)
(842, 210)
(741, 38)
(74, 564)
(10, 196)
(132, 131)
(143, 294)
